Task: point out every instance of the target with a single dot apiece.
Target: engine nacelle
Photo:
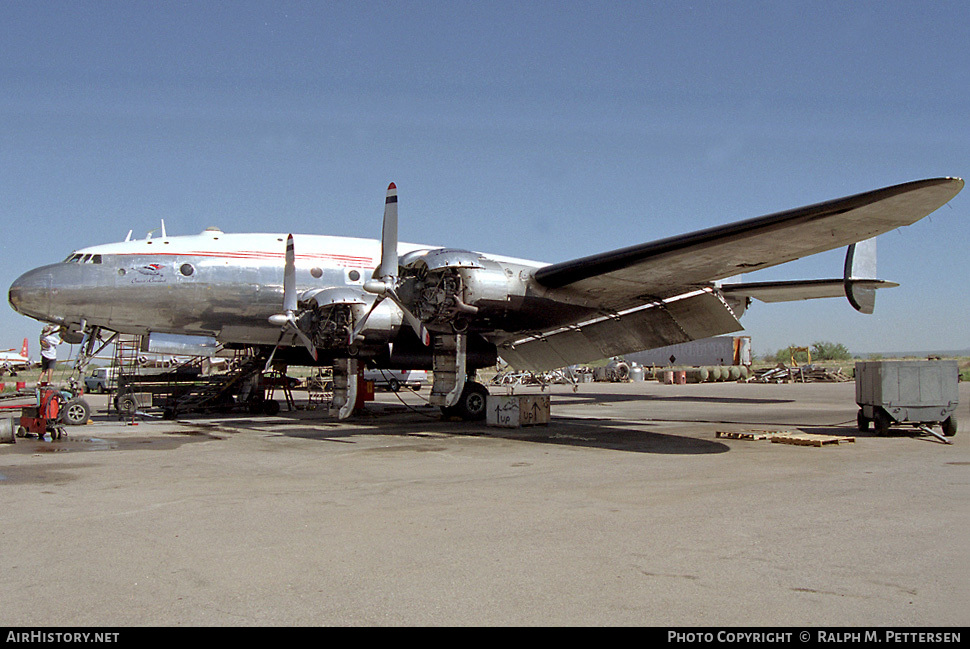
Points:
(334, 311)
(455, 289)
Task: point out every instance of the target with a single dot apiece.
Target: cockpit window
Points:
(78, 258)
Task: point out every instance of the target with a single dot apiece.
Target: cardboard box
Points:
(513, 411)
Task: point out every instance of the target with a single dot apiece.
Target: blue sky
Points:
(544, 130)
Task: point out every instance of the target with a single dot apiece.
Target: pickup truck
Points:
(102, 379)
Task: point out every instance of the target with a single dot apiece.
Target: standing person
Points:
(49, 340)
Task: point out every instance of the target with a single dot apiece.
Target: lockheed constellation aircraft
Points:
(314, 299)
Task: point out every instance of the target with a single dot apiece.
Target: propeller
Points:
(287, 320)
(384, 283)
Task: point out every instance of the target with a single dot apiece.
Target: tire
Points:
(472, 404)
(393, 385)
(949, 426)
(76, 412)
(271, 407)
(863, 422)
(882, 421)
(126, 404)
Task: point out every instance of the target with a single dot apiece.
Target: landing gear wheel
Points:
(271, 407)
(471, 405)
(76, 412)
(949, 426)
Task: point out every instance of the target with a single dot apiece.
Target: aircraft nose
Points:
(30, 293)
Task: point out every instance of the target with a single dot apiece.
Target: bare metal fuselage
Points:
(227, 286)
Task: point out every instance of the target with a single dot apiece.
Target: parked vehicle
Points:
(102, 379)
(393, 380)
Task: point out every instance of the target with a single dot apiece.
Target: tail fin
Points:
(23, 350)
(860, 264)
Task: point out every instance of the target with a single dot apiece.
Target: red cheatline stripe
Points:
(250, 255)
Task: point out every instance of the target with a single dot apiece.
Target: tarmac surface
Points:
(627, 509)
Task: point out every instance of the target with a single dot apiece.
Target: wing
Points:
(661, 293)
(624, 278)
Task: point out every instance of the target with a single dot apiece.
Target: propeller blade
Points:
(388, 266)
(412, 319)
(310, 347)
(385, 279)
(287, 319)
(360, 325)
(269, 361)
(289, 277)
(272, 354)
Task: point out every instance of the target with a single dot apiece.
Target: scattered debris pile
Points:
(800, 374)
(511, 378)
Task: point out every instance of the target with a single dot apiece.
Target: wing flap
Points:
(699, 314)
(622, 278)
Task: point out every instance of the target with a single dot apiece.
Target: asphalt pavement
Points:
(632, 507)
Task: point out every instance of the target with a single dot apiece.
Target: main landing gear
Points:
(451, 391)
(470, 405)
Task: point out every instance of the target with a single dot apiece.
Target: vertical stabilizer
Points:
(860, 263)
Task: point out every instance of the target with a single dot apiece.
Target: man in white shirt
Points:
(49, 340)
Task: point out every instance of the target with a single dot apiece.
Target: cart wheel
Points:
(882, 422)
(863, 422)
(949, 426)
(76, 412)
(126, 404)
(21, 431)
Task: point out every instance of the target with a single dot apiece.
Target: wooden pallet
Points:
(807, 439)
(795, 437)
(751, 434)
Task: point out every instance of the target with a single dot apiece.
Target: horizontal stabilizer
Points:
(858, 283)
(808, 289)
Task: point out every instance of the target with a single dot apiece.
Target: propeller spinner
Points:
(385, 281)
